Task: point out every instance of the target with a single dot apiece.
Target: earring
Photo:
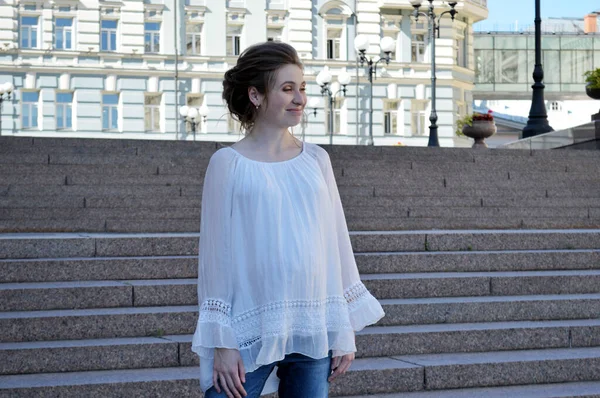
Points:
(257, 106)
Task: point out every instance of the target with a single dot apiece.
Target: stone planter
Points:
(479, 131)
(595, 94)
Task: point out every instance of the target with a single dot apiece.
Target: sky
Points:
(504, 14)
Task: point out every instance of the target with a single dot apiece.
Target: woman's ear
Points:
(255, 96)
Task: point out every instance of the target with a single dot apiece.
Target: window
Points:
(460, 48)
(233, 40)
(555, 106)
(30, 7)
(418, 48)
(108, 35)
(110, 111)
(29, 109)
(419, 118)
(64, 9)
(29, 32)
(274, 34)
(333, 43)
(64, 111)
(194, 38)
(63, 32)
(152, 37)
(390, 117)
(152, 112)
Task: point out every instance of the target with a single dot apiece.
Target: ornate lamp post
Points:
(6, 90)
(538, 117)
(387, 45)
(324, 79)
(434, 26)
(194, 116)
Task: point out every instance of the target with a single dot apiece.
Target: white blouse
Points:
(276, 271)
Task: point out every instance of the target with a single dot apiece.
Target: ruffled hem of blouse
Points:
(271, 349)
(365, 311)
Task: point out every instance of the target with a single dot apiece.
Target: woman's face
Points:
(287, 98)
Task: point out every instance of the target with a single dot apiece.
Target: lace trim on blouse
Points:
(215, 310)
(270, 319)
(301, 316)
(355, 295)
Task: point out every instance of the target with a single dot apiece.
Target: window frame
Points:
(154, 35)
(415, 57)
(196, 38)
(418, 108)
(389, 114)
(64, 30)
(278, 37)
(31, 105)
(67, 107)
(110, 32)
(155, 113)
(111, 108)
(33, 32)
(334, 43)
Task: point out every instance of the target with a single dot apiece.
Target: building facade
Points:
(123, 68)
(504, 63)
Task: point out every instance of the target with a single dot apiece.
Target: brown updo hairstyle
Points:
(256, 67)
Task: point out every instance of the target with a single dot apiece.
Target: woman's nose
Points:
(299, 98)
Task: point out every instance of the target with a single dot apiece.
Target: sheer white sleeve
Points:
(364, 308)
(215, 285)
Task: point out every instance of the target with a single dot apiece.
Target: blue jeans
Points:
(299, 377)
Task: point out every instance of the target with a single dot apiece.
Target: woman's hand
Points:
(339, 365)
(229, 372)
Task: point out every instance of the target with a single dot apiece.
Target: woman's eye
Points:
(303, 89)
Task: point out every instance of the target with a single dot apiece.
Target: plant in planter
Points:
(478, 126)
(592, 87)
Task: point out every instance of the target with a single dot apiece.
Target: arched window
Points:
(336, 34)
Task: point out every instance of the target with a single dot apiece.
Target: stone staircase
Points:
(487, 264)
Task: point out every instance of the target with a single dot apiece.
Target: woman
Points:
(279, 291)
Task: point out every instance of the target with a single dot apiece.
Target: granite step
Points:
(170, 292)
(433, 223)
(400, 210)
(102, 191)
(583, 389)
(489, 309)
(27, 169)
(175, 350)
(79, 264)
(117, 225)
(99, 213)
(148, 321)
(457, 370)
(173, 199)
(407, 373)
(384, 375)
(372, 243)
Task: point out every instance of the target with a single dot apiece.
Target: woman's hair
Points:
(256, 67)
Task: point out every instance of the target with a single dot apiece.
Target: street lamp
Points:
(387, 45)
(538, 117)
(314, 104)
(323, 80)
(191, 115)
(6, 88)
(434, 25)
